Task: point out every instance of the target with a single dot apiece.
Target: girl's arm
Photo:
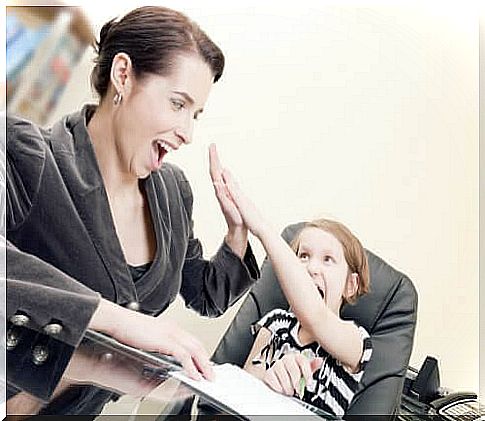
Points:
(339, 338)
(262, 339)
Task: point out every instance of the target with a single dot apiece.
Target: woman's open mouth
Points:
(159, 149)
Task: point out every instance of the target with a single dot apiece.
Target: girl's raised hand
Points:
(249, 212)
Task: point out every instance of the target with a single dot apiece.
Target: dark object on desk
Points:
(423, 398)
(426, 385)
(387, 312)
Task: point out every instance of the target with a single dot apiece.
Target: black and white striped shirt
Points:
(333, 386)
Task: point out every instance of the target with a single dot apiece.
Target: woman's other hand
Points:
(158, 334)
(237, 236)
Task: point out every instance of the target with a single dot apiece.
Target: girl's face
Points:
(157, 114)
(323, 256)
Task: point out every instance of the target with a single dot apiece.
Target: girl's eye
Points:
(177, 104)
(328, 259)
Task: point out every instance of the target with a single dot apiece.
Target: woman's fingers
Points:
(158, 334)
(231, 213)
(228, 207)
(204, 366)
(200, 358)
(193, 356)
(215, 168)
(219, 175)
(185, 358)
(232, 187)
(222, 194)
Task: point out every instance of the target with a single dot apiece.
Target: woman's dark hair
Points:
(151, 36)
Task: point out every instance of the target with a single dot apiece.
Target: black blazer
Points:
(57, 210)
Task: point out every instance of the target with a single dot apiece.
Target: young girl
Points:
(310, 352)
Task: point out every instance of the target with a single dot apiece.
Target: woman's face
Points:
(156, 116)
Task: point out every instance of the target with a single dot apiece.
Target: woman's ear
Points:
(352, 286)
(121, 74)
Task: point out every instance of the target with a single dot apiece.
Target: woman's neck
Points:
(117, 181)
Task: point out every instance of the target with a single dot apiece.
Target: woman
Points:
(94, 198)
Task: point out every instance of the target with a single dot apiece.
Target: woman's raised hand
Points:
(249, 213)
(228, 207)
(237, 235)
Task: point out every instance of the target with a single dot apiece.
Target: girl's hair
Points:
(354, 253)
(152, 36)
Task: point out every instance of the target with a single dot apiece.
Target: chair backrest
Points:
(388, 312)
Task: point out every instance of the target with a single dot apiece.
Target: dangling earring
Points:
(117, 98)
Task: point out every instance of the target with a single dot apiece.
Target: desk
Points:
(145, 376)
(150, 379)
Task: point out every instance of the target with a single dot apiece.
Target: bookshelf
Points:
(44, 44)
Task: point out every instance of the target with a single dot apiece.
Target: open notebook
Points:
(248, 396)
(234, 390)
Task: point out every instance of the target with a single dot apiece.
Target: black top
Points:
(137, 272)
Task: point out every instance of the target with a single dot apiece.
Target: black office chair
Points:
(387, 312)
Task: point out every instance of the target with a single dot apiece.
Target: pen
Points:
(301, 386)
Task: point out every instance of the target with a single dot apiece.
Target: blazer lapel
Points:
(77, 162)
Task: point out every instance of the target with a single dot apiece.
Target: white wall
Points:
(482, 203)
(368, 114)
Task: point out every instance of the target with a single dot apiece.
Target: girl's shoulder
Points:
(275, 319)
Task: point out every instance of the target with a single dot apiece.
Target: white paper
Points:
(245, 394)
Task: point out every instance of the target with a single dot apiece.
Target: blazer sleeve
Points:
(210, 287)
(45, 295)
(47, 311)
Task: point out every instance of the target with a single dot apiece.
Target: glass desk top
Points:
(145, 377)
